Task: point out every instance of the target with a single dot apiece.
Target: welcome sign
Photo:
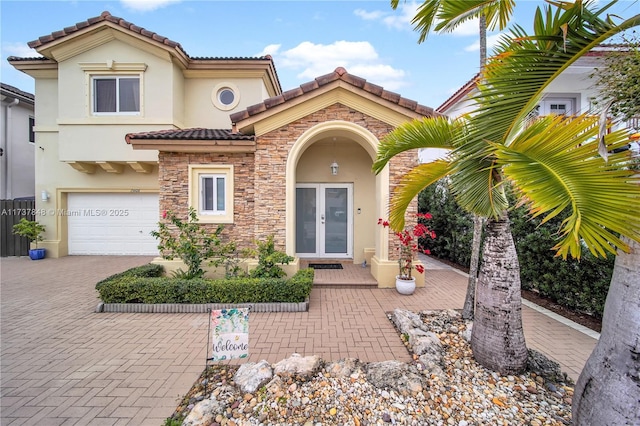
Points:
(228, 334)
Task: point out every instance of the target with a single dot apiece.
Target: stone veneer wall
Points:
(173, 173)
(260, 180)
(400, 165)
(271, 157)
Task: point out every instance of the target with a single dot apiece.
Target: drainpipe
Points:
(6, 176)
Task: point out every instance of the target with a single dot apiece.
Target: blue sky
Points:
(306, 38)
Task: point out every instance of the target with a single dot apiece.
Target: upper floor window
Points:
(225, 96)
(557, 106)
(116, 94)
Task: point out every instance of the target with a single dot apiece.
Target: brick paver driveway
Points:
(62, 363)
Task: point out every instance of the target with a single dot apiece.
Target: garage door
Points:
(112, 223)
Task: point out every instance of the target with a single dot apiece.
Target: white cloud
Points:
(398, 20)
(309, 60)
(18, 49)
(402, 17)
(271, 49)
(146, 5)
(368, 16)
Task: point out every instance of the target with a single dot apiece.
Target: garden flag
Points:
(228, 334)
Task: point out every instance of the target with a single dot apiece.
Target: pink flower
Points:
(408, 239)
(164, 214)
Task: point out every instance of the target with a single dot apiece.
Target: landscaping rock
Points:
(252, 376)
(543, 366)
(394, 375)
(343, 368)
(297, 366)
(406, 320)
(203, 413)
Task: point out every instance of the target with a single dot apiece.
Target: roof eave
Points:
(193, 146)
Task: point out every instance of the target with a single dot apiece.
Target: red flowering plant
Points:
(409, 245)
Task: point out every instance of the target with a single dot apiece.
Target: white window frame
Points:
(570, 101)
(116, 77)
(215, 196)
(197, 174)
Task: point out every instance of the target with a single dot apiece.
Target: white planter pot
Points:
(406, 286)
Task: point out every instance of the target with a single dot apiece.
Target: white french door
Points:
(324, 220)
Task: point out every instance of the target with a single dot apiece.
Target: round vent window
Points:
(225, 96)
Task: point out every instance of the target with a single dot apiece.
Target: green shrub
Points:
(132, 289)
(452, 225)
(581, 285)
(148, 270)
(269, 260)
(190, 242)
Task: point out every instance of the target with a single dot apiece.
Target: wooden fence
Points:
(11, 211)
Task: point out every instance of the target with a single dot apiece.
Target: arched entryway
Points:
(335, 215)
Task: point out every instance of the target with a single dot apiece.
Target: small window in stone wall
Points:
(225, 96)
(211, 192)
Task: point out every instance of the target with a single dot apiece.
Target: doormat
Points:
(325, 265)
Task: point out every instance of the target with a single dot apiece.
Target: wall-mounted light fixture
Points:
(334, 168)
(44, 196)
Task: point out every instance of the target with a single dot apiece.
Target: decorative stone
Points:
(251, 376)
(298, 366)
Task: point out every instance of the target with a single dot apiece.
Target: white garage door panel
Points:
(112, 223)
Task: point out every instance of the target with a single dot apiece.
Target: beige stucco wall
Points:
(200, 110)
(355, 168)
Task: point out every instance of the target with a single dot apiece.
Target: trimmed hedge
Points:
(580, 285)
(145, 271)
(129, 288)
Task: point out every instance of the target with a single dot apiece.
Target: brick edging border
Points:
(182, 308)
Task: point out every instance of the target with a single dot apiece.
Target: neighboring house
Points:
(17, 157)
(572, 92)
(130, 126)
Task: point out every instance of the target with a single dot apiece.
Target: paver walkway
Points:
(62, 363)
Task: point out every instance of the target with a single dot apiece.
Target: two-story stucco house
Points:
(17, 143)
(574, 91)
(129, 125)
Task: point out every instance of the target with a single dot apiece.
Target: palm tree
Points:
(607, 391)
(450, 15)
(552, 164)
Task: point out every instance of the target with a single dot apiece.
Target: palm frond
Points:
(453, 13)
(426, 133)
(555, 166)
(524, 65)
(410, 186)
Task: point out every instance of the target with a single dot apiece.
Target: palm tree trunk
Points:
(608, 389)
(497, 337)
(470, 298)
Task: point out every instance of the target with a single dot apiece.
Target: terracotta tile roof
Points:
(104, 16)
(34, 58)
(195, 134)
(460, 93)
(107, 17)
(339, 74)
(15, 92)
